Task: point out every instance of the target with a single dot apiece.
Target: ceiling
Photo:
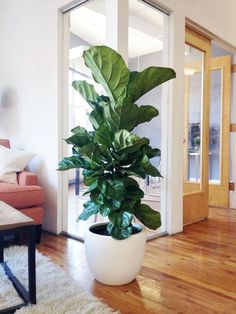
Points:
(88, 22)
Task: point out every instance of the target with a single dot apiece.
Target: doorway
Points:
(88, 26)
(196, 126)
(207, 126)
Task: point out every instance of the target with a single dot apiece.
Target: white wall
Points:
(29, 69)
(29, 88)
(217, 16)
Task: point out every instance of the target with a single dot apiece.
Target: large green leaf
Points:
(113, 188)
(142, 82)
(142, 167)
(149, 217)
(104, 136)
(72, 163)
(94, 155)
(86, 90)
(135, 193)
(104, 211)
(90, 208)
(133, 190)
(117, 233)
(108, 69)
(120, 225)
(80, 137)
(116, 204)
(128, 205)
(149, 168)
(96, 117)
(152, 152)
(136, 170)
(146, 114)
(130, 182)
(97, 197)
(82, 131)
(126, 142)
(113, 204)
(91, 176)
(91, 188)
(89, 151)
(126, 159)
(102, 201)
(120, 115)
(120, 219)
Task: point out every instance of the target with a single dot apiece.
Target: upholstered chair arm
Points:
(27, 178)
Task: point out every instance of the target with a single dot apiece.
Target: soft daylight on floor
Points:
(192, 272)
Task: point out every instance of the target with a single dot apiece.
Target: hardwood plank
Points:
(191, 272)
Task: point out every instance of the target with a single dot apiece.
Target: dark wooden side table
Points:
(13, 222)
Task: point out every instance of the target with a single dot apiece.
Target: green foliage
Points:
(112, 155)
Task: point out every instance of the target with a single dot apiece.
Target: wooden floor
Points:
(192, 272)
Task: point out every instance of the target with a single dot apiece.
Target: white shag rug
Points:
(57, 293)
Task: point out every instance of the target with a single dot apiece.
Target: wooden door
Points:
(196, 129)
(219, 146)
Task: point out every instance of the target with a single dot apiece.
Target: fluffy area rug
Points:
(56, 291)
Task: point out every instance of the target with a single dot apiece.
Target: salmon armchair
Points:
(26, 196)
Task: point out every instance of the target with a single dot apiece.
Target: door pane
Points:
(148, 37)
(83, 34)
(215, 126)
(193, 106)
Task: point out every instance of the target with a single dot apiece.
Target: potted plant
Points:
(111, 157)
(196, 142)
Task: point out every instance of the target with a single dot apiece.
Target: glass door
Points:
(147, 46)
(196, 128)
(82, 35)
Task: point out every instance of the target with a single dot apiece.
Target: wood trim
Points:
(233, 127)
(201, 193)
(196, 40)
(198, 29)
(233, 68)
(185, 141)
(219, 193)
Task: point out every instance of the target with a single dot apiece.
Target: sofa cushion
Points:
(35, 213)
(12, 161)
(5, 143)
(19, 196)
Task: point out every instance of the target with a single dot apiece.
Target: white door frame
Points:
(172, 127)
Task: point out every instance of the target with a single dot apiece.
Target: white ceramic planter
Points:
(115, 262)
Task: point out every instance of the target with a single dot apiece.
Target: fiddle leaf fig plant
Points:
(112, 155)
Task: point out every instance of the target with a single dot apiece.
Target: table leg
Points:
(31, 265)
(1, 248)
